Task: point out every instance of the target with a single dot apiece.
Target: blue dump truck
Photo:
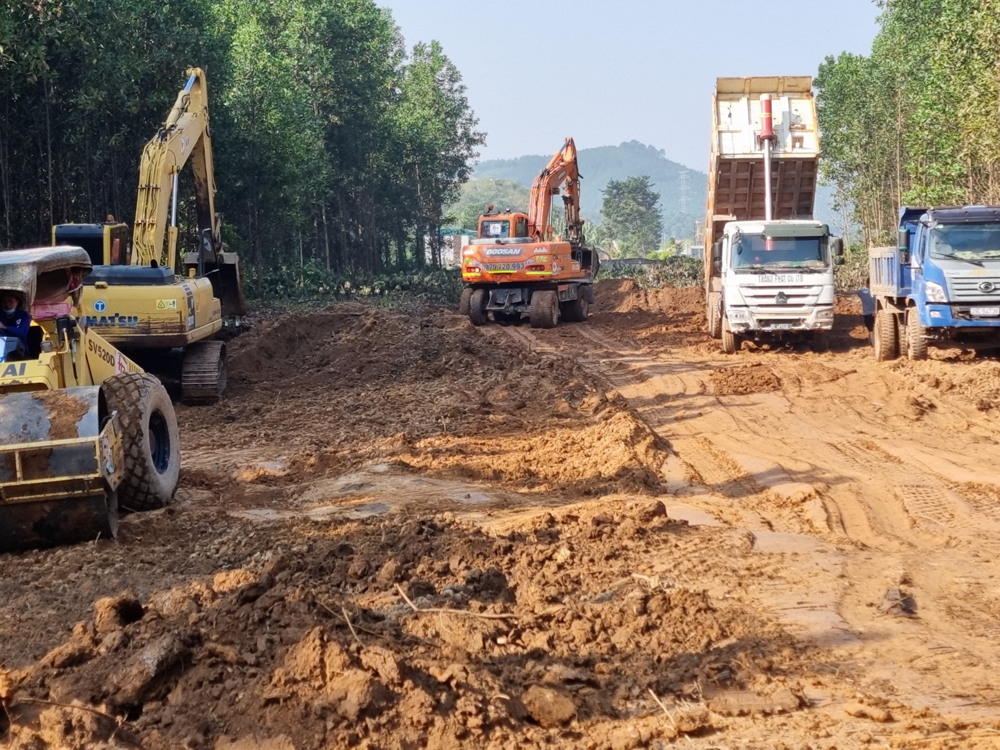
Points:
(940, 285)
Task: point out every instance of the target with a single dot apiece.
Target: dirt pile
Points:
(744, 379)
(554, 631)
(350, 385)
(668, 316)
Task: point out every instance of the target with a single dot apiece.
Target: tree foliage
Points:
(915, 122)
(631, 216)
(335, 146)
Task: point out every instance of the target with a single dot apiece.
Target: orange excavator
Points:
(518, 265)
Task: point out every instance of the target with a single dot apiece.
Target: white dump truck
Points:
(768, 263)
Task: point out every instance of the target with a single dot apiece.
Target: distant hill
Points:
(598, 165)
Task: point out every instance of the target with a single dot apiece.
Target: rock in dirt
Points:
(140, 674)
(861, 711)
(651, 511)
(70, 654)
(382, 662)
(549, 707)
(281, 742)
(895, 602)
(114, 612)
(747, 702)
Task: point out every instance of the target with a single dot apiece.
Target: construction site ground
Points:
(399, 531)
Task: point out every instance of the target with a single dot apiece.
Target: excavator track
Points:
(203, 373)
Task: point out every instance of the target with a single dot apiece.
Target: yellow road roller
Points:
(82, 428)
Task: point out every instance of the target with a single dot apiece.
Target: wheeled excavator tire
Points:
(463, 302)
(576, 310)
(543, 311)
(204, 373)
(477, 308)
(150, 440)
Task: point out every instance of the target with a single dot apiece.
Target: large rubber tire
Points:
(714, 316)
(477, 308)
(820, 341)
(544, 310)
(463, 302)
(150, 439)
(576, 310)
(886, 338)
(730, 341)
(916, 343)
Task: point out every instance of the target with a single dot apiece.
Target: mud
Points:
(743, 379)
(399, 531)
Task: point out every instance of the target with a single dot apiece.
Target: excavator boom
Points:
(562, 169)
(184, 135)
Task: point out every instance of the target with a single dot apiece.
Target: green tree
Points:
(631, 216)
(915, 122)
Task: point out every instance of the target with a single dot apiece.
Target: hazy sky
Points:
(607, 72)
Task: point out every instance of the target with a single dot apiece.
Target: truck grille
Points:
(974, 288)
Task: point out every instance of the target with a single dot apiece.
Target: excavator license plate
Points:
(503, 267)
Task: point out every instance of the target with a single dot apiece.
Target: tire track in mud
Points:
(934, 503)
(885, 516)
(655, 398)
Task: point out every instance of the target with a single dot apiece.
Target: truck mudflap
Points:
(60, 467)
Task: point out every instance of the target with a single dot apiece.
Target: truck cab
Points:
(940, 285)
(777, 280)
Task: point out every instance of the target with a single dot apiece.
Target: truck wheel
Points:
(576, 310)
(150, 440)
(730, 341)
(916, 343)
(463, 302)
(544, 310)
(820, 341)
(714, 317)
(477, 308)
(886, 336)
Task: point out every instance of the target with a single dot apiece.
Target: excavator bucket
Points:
(230, 287)
(60, 467)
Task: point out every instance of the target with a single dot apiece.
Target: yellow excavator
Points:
(82, 427)
(141, 296)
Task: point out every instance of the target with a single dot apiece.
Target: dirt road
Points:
(648, 543)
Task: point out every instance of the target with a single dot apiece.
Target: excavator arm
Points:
(561, 171)
(185, 135)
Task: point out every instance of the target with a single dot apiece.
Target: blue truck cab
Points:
(940, 285)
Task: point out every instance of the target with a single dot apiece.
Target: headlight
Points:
(824, 315)
(738, 315)
(935, 293)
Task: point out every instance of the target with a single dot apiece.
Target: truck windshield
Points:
(750, 250)
(495, 229)
(965, 241)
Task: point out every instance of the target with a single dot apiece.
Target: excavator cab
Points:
(498, 226)
(107, 244)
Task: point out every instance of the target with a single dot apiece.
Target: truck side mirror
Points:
(903, 245)
(837, 249)
(717, 252)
